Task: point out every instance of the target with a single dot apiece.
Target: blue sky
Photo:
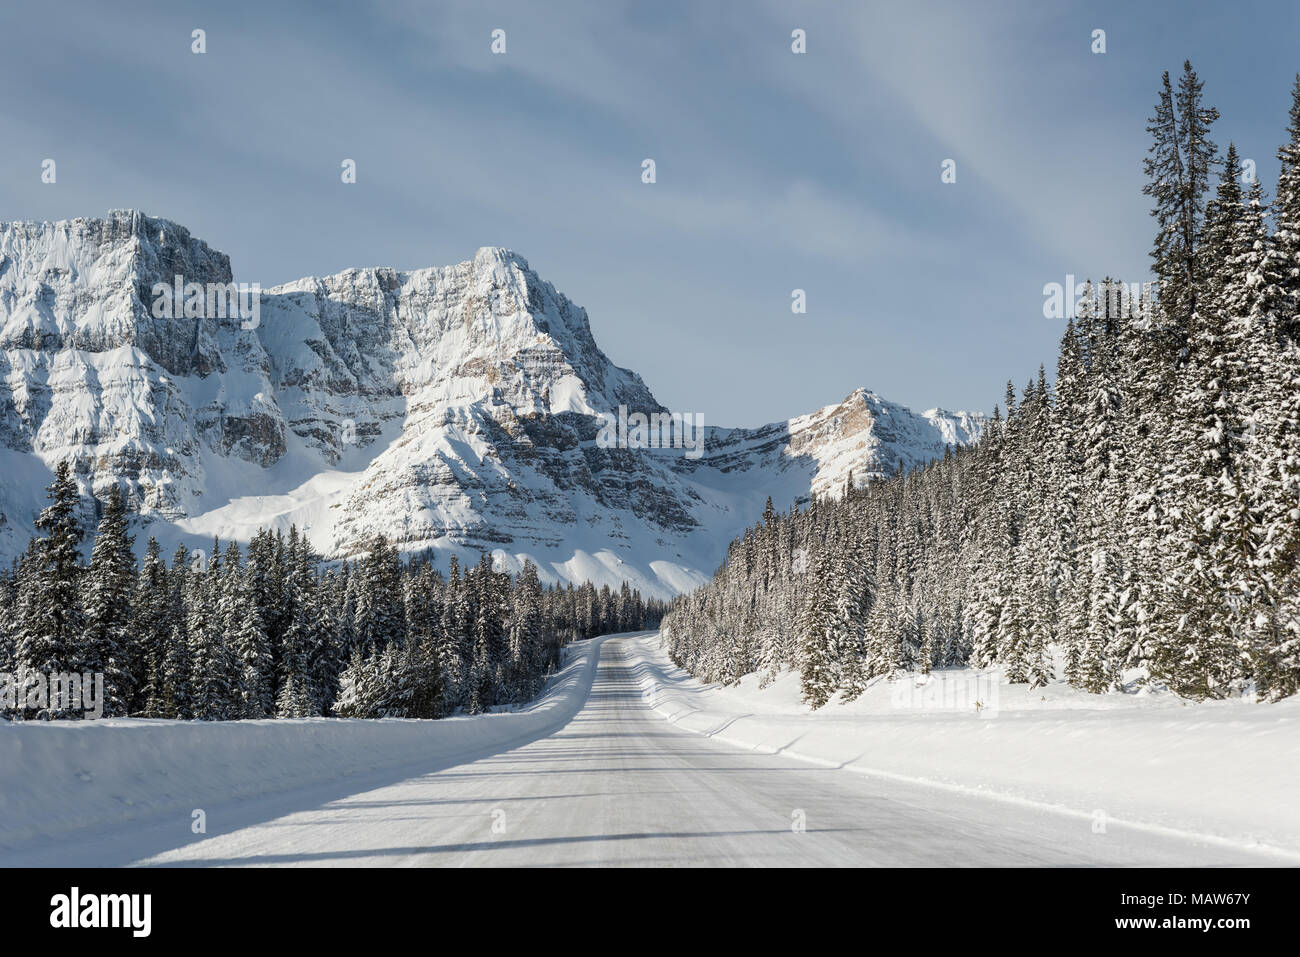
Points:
(775, 171)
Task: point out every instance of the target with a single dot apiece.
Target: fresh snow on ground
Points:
(593, 776)
(64, 775)
(1225, 770)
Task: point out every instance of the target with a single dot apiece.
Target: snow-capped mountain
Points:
(455, 408)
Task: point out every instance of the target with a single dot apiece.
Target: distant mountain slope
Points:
(454, 408)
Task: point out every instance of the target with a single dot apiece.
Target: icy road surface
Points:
(620, 785)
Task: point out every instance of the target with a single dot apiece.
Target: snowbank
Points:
(60, 776)
(1225, 772)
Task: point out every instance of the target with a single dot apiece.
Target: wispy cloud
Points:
(775, 170)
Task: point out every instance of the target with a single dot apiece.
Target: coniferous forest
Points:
(272, 631)
(1135, 522)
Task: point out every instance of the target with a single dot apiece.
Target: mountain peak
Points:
(499, 255)
(454, 408)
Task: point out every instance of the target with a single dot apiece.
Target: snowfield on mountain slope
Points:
(451, 408)
(1224, 770)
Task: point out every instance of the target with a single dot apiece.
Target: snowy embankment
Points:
(1224, 772)
(60, 776)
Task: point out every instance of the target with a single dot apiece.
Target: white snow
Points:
(592, 776)
(434, 406)
(66, 775)
(1226, 771)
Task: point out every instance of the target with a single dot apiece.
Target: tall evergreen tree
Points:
(107, 645)
(50, 632)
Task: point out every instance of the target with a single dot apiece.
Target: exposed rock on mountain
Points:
(450, 408)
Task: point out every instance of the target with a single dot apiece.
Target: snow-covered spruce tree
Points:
(1100, 539)
(150, 627)
(1039, 593)
(241, 623)
(489, 637)
(253, 653)
(297, 691)
(817, 671)
(1016, 579)
(884, 625)
(1112, 629)
(854, 594)
(295, 699)
(991, 543)
(380, 621)
(50, 632)
(327, 660)
(1215, 593)
(9, 618)
(267, 574)
(415, 687)
(1285, 252)
(1272, 299)
(1276, 632)
(23, 594)
(108, 646)
(344, 603)
(1151, 351)
(526, 652)
(1065, 478)
(173, 698)
(359, 689)
(1181, 159)
(419, 668)
(214, 669)
(1262, 510)
(454, 647)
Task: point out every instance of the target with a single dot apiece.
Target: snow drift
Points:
(67, 775)
(1224, 771)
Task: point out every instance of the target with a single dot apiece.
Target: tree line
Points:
(271, 630)
(1137, 522)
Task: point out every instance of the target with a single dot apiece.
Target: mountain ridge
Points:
(451, 408)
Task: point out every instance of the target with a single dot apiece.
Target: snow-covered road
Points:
(620, 785)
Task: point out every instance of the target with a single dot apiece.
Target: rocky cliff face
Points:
(90, 374)
(449, 408)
